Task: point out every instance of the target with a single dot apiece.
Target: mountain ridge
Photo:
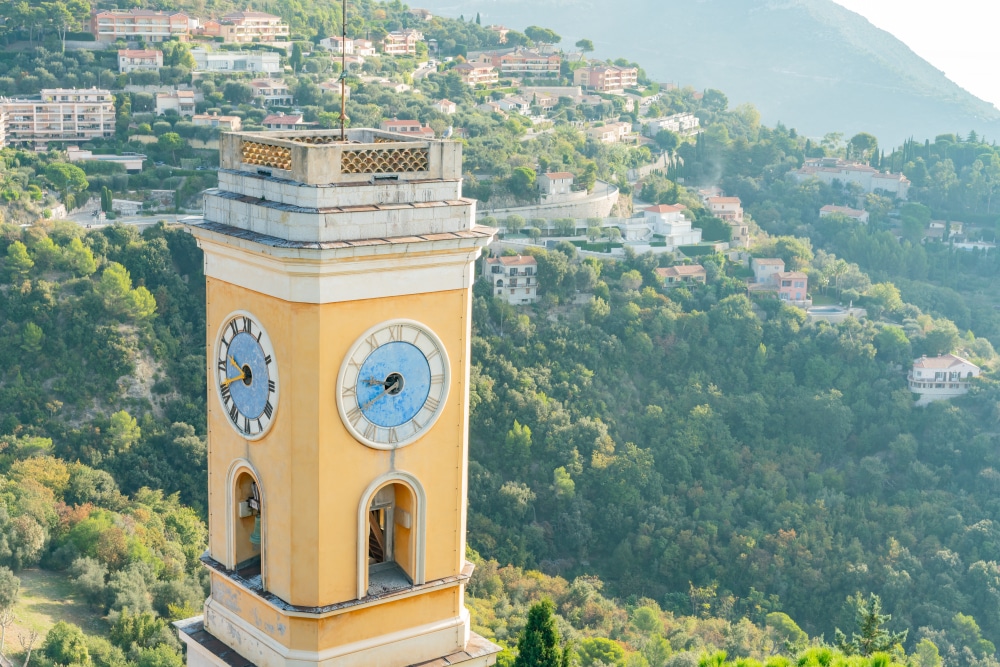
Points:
(813, 65)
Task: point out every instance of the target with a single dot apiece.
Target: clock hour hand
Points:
(242, 375)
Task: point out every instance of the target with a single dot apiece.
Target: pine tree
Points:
(539, 643)
(873, 638)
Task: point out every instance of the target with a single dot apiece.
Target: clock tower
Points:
(339, 277)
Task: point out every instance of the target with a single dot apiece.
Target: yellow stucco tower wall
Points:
(299, 574)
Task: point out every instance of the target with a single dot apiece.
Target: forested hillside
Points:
(679, 472)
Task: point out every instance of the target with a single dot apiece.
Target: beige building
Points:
(130, 60)
(224, 123)
(3, 126)
(730, 209)
(476, 74)
(682, 274)
(60, 114)
(271, 92)
(133, 24)
(522, 63)
(247, 26)
(514, 279)
(607, 78)
(941, 378)
(402, 42)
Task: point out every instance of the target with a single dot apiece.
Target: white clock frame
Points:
(354, 420)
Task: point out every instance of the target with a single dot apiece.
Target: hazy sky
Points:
(957, 36)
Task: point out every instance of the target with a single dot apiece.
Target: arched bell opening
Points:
(391, 532)
(246, 524)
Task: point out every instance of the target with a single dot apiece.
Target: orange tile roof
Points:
(511, 260)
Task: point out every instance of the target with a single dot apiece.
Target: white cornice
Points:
(350, 272)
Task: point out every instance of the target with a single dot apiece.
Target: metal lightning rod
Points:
(343, 72)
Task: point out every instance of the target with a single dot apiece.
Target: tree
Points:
(66, 644)
(296, 59)
(10, 587)
(171, 142)
(522, 182)
(539, 643)
(6, 620)
(535, 233)
(862, 146)
(19, 262)
(67, 178)
(78, 258)
(514, 223)
(667, 140)
(123, 432)
(541, 35)
(237, 93)
(27, 645)
(871, 636)
(586, 46)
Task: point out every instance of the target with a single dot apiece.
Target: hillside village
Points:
(674, 290)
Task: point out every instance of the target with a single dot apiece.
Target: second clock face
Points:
(247, 376)
(393, 384)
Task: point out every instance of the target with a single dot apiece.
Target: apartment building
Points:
(146, 24)
(402, 42)
(59, 114)
(131, 60)
(248, 26)
(522, 63)
(3, 125)
(236, 61)
(607, 78)
(476, 74)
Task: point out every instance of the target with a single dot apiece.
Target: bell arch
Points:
(392, 528)
(246, 521)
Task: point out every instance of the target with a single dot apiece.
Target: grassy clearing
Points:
(47, 598)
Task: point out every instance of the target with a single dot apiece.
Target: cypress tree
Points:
(539, 643)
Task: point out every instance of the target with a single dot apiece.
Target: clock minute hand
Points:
(380, 395)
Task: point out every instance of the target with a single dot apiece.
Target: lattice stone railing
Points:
(384, 161)
(266, 155)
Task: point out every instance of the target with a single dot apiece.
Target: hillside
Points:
(810, 64)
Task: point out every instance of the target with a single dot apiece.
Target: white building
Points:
(338, 44)
(513, 278)
(236, 61)
(131, 60)
(610, 133)
(59, 114)
(668, 220)
(681, 123)
(131, 161)
(941, 378)
(766, 269)
(555, 184)
(830, 169)
(181, 101)
(730, 209)
(271, 92)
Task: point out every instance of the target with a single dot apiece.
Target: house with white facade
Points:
(668, 221)
(681, 123)
(941, 378)
(271, 92)
(830, 169)
(514, 278)
(846, 211)
(236, 61)
(446, 106)
(131, 60)
(611, 133)
(181, 101)
(555, 184)
(730, 210)
(765, 269)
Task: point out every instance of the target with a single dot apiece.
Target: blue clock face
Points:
(247, 376)
(393, 384)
